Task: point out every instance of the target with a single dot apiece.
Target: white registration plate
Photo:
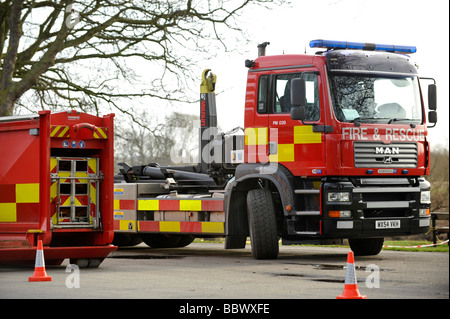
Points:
(384, 224)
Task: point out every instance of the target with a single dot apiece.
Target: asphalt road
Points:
(207, 271)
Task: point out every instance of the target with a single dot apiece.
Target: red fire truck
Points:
(334, 146)
(56, 185)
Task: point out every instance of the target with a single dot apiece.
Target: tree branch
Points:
(84, 64)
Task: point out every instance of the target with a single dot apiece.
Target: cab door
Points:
(298, 145)
(257, 108)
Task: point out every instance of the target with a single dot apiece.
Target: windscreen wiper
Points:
(357, 120)
(397, 119)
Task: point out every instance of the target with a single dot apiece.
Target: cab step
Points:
(306, 213)
(307, 233)
(307, 191)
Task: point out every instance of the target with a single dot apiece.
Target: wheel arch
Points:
(248, 177)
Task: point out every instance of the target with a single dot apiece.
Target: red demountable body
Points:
(56, 185)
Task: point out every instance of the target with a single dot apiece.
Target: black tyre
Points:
(263, 224)
(366, 246)
(185, 240)
(134, 240)
(86, 262)
(161, 240)
(123, 239)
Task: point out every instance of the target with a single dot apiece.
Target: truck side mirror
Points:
(432, 117)
(298, 99)
(432, 97)
(298, 113)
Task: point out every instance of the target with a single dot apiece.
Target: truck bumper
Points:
(362, 228)
(376, 207)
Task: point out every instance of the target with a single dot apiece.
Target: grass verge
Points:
(400, 245)
(411, 245)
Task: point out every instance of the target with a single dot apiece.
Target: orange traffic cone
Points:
(351, 287)
(39, 267)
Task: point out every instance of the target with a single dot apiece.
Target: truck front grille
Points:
(377, 154)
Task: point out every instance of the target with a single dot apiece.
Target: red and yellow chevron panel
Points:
(85, 197)
(125, 206)
(180, 205)
(216, 228)
(100, 133)
(63, 131)
(59, 131)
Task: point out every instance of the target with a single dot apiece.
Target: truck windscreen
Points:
(374, 99)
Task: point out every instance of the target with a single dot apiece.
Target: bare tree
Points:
(74, 54)
(439, 174)
(173, 140)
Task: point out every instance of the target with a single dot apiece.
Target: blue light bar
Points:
(330, 44)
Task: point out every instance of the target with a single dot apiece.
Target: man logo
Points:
(387, 150)
(388, 160)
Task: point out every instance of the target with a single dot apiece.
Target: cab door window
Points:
(263, 95)
(283, 94)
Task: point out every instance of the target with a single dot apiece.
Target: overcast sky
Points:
(424, 24)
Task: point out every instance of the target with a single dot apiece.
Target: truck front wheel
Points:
(263, 224)
(366, 246)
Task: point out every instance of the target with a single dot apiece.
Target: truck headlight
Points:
(338, 196)
(425, 197)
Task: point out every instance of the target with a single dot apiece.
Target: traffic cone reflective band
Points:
(351, 287)
(39, 267)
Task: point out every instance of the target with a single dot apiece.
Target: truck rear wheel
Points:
(185, 240)
(167, 241)
(123, 239)
(86, 262)
(160, 240)
(366, 246)
(263, 224)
